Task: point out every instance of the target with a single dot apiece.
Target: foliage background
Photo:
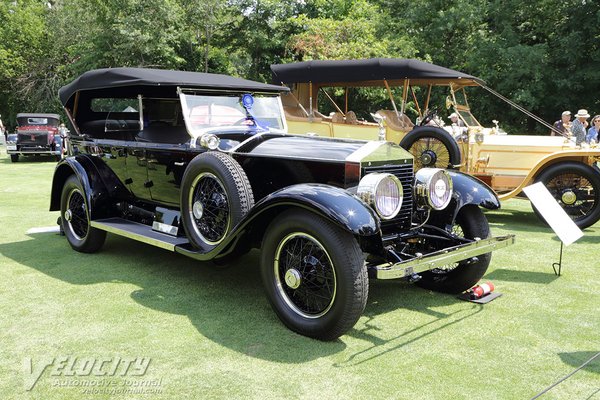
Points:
(543, 54)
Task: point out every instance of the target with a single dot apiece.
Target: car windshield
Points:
(469, 119)
(258, 112)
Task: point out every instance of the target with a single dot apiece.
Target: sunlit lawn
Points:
(210, 333)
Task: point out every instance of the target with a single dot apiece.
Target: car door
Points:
(115, 126)
(167, 148)
(166, 164)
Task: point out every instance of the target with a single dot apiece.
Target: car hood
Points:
(304, 147)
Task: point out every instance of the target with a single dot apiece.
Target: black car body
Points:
(201, 165)
(36, 134)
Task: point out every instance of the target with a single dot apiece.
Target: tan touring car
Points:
(505, 162)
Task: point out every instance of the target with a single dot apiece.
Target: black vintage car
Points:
(201, 165)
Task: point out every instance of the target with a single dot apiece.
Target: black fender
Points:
(336, 204)
(467, 190)
(333, 203)
(97, 180)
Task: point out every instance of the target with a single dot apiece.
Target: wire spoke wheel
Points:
(314, 274)
(210, 208)
(456, 277)
(457, 231)
(305, 275)
(430, 152)
(75, 218)
(215, 197)
(574, 193)
(432, 147)
(76, 215)
(576, 188)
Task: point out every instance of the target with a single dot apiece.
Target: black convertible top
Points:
(134, 77)
(374, 69)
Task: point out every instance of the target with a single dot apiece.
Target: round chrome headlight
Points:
(433, 188)
(383, 192)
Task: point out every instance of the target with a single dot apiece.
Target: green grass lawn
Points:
(210, 333)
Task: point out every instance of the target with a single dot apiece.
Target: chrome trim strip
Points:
(443, 257)
(364, 151)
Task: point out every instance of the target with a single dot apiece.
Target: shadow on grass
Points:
(510, 275)
(389, 296)
(227, 306)
(578, 358)
(523, 221)
(516, 220)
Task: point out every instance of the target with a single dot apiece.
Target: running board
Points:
(140, 232)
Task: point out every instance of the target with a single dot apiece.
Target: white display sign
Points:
(555, 216)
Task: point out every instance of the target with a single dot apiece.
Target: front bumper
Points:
(441, 258)
(12, 149)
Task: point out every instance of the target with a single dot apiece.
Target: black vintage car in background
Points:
(201, 165)
(36, 134)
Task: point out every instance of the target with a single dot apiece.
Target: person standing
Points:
(592, 133)
(579, 125)
(563, 124)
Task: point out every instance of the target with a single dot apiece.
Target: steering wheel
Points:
(428, 117)
(245, 121)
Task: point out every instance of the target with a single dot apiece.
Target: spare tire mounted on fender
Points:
(215, 196)
(432, 147)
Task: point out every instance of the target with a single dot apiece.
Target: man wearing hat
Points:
(563, 124)
(458, 126)
(455, 121)
(579, 125)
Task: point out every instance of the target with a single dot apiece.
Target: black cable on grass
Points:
(566, 377)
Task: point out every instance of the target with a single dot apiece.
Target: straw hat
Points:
(582, 113)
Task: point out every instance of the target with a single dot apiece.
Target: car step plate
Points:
(140, 232)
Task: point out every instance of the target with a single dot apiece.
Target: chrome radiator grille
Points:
(406, 175)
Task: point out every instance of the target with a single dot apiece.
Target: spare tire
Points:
(432, 147)
(215, 196)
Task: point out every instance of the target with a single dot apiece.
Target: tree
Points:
(345, 30)
(136, 33)
(207, 23)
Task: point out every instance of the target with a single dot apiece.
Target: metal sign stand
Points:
(564, 227)
(559, 263)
